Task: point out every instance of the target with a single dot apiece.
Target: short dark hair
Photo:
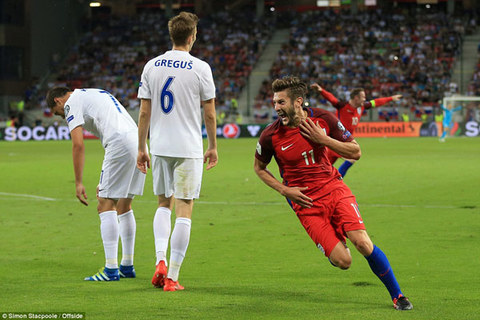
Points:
(181, 27)
(56, 92)
(355, 92)
(296, 88)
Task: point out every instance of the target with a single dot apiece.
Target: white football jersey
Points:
(176, 83)
(99, 112)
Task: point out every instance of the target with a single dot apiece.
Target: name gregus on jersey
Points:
(174, 64)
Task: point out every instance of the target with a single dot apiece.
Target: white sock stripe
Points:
(163, 210)
(105, 214)
(125, 215)
(185, 221)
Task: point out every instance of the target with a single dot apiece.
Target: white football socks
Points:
(127, 228)
(109, 232)
(162, 226)
(179, 245)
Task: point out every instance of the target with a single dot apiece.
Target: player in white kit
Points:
(174, 86)
(99, 112)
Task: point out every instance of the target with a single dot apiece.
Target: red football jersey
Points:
(301, 162)
(349, 115)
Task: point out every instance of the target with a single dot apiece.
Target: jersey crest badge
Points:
(340, 126)
(67, 109)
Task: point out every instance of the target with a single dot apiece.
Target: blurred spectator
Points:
(386, 53)
(112, 55)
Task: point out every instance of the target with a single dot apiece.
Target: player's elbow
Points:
(210, 117)
(78, 147)
(143, 115)
(357, 155)
(256, 168)
(356, 151)
(259, 167)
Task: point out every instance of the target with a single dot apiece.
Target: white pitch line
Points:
(248, 203)
(407, 206)
(26, 196)
(360, 205)
(252, 203)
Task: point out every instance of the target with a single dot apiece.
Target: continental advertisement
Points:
(398, 129)
(234, 131)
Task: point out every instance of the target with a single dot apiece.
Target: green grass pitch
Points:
(249, 257)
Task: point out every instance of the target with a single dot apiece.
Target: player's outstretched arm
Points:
(143, 159)
(78, 154)
(210, 118)
(327, 95)
(316, 87)
(381, 101)
(457, 108)
(293, 193)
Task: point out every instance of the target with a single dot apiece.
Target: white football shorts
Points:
(120, 177)
(180, 177)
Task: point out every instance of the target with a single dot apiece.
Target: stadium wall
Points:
(55, 26)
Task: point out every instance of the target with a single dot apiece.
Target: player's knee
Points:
(105, 204)
(124, 205)
(364, 246)
(101, 208)
(344, 263)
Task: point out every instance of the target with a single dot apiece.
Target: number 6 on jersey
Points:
(167, 94)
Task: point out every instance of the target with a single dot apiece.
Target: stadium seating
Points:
(112, 56)
(385, 53)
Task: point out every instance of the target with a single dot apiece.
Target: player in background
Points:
(349, 114)
(99, 112)
(325, 206)
(174, 87)
(447, 119)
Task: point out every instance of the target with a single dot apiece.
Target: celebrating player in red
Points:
(325, 206)
(349, 114)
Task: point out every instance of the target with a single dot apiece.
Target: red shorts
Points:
(332, 156)
(332, 216)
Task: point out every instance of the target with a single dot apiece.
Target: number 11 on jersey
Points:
(304, 154)
(166, 97)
